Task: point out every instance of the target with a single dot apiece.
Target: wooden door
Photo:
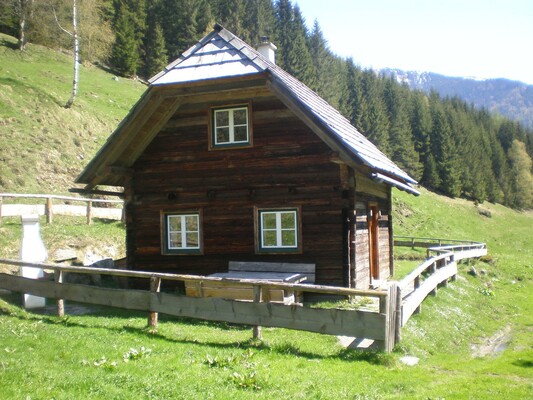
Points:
(373, 240)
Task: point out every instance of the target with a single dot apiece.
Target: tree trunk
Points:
(76, 55)
(23, 15)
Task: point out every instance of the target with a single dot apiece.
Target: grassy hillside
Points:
(44, 146)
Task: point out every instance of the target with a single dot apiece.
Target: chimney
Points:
(267, 49)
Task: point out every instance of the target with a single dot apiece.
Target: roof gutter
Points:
(393, 182)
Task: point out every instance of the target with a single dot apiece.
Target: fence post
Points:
(257, 298)
(155, 287)
(89, 212)
(452, 260)
(58, 276)
(398, 321)
(418, 310)
(1, 202)
(390, 318)
(432, 270)
(48, 210)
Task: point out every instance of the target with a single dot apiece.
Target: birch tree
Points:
(76, 39)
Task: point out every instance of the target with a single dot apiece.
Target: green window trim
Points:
(182, 232)
(278, 230)
(230, 127)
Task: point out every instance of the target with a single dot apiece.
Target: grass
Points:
(44, 146)
(110, 354)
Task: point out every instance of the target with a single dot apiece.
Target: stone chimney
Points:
(267, 49)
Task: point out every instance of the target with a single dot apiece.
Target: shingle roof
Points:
(221, 54)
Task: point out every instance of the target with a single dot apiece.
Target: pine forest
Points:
(449, 146)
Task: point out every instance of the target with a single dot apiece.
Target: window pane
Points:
(221, 118)
(241, 133)
(192, 240)
(269, 239)
(269, 220)
(222, 135)
(175, 240)
(288, 238)
(239, 117)
(288, 220)
(174, 223)
(191, 223)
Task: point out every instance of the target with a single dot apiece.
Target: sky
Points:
(470, 38)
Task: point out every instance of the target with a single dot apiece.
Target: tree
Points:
(522, 177)
(125, 54)
(444, 150)
(376, 124)
(155, 51)
(14, 18)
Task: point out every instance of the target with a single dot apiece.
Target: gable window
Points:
(230, 127)
(182, 233)
(278, 230)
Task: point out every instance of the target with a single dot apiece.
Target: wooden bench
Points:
(261, 271)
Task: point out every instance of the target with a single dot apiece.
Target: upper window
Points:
(230, 127)
(182, 233)
(279, 230)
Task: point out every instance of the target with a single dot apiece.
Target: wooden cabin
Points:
(226, 157)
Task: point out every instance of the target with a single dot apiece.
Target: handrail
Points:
(61, 209)
(334, 290)
(58, 197)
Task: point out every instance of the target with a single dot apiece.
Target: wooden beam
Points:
(96, 192)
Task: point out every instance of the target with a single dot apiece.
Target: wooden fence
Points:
(50, 207)
(379, 325)
(396, 304)
(433, 272)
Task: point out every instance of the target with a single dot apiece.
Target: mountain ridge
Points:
(509, 98)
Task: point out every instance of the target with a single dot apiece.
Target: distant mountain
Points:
(511, 99)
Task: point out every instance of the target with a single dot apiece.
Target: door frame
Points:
(373, 239)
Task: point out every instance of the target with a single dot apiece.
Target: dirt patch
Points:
(494, 345)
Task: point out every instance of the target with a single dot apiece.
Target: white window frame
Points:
(279, 246)
(214, 143)
(183, 248)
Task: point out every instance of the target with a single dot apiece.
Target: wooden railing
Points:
(434, 271)
(50, 207)
(379, 325)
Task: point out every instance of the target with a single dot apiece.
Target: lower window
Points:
(182, 233)
(278, 230)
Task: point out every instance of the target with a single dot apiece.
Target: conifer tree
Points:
(522, 177)
(125, 54)
(354, 103)
(155, 51)
(444, 150)
(376, 125)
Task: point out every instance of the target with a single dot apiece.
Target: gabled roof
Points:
(220, 54)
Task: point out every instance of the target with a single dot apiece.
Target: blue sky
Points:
(472, 38)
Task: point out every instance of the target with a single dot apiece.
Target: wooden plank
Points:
(413, 300)
(325, 321)
(130, 300)
(254, 266)
(340, 291)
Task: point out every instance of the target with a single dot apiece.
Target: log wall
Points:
(288, 166)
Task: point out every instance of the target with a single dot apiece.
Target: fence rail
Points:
(49, 208)
(434, 271)
(377, 325)
(396, 304)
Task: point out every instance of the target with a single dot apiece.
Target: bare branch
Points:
(58, 24)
